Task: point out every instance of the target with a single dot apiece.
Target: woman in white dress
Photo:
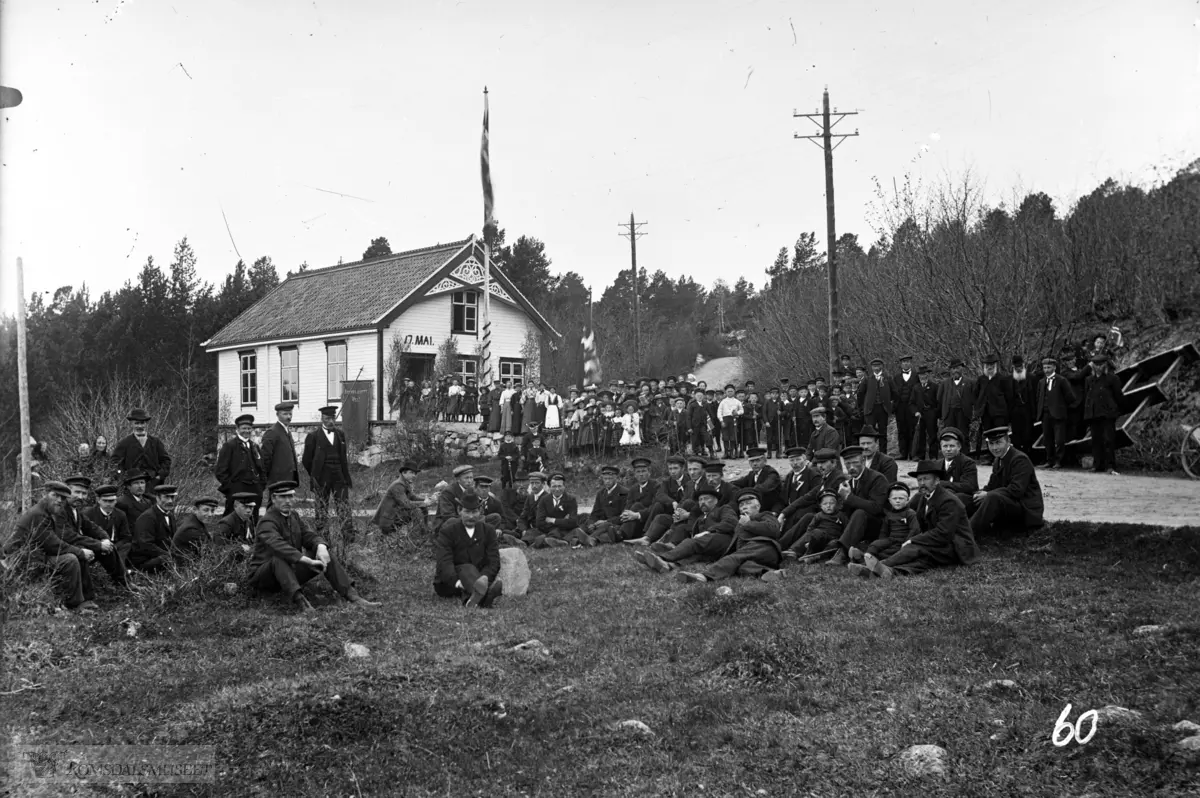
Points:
(506, 406)
(553, 404)
(631, 426)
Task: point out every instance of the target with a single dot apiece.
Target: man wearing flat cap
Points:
(288, 553)
(763, 478)
(944, 538)
(192, 529)
(38, 547)
(874, 396)
(1013, 496)
(604, 522)
(234, 528)
(558, 520)
(823, 436)
(995, 397)
(134, 500)
(79, 530)
(141, 451)
(1101, 409)
(402, 509)
(1055, 398)
(451, 496)
(467, 554)
(106, 515)
(239, 466)
(154, 531)
(712, 532)
(754, 550)
(278, 451)
(962, 473)
(328, 466)
(639, 501)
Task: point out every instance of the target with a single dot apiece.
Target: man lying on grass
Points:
(945, 537)
(468, 557)
(288, 553)
(713, 534)
(754, 550)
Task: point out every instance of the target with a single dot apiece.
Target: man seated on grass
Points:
(711, 539)
(235, 528)
(868, 439)
(558, 518)
(1013, 495)
(37, 547)
(604, 522)
(288, 553)
(826, 527)
(402, 510)
(153, 532)
(797, 484)
(134, 501)
(490, 506)
(754, 550)
(864, 499)
(451, 496)
(527, 520)
(638, 502)
(803, 509)
(962, 473)
(467, 555)
(899, 525)
(675, 524)
(114, 522)
(945, 537)
(671, 491)
(79, 530)
(192, 530)
(763, 478)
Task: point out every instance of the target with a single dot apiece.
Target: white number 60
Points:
(1064, 732)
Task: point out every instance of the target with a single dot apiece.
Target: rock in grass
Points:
(637, 726)
(724, 590)
(1187, 726)
(231, 588)
(534, 646)
(1150, 629)
(1190, 743)
(1113, 715)
(356, 651)
(924, 760)
(999, 685)
(514, 572)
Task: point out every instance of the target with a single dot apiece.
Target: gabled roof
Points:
(351, 296)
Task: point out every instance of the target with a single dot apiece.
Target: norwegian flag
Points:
(591, 361)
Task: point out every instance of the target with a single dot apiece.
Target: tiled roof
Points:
(348, 296)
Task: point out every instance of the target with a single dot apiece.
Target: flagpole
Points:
(23, 392)
(486, 170)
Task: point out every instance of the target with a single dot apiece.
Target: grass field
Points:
(812, 686)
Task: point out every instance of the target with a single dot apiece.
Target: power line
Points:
(633, 231)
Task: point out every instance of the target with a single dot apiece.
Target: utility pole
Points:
(23, 393)
(633, 232)
(827, 137)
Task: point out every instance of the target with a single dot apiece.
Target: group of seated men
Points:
(61, 535)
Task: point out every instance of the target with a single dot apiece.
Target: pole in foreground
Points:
(827, 137)
(489, 201)
(23, 390)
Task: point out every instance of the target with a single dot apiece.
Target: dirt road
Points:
(720, 371)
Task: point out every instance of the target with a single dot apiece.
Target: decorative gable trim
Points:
(498, 290)
(470, 271)
(442, 287)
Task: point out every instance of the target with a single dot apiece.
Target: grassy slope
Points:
(806, 687)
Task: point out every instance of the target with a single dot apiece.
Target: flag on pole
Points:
(591, 360)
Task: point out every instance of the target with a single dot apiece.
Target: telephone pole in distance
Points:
(633, 231)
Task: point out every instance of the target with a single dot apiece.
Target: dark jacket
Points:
(672, 491)
(1057, 401)
(884, 465)
(609, 504)
(795, 486)
(908, 396)
(449, 500)
(948, 391)
(239, 466)
(872, 392)
(316, 447)
(868, 495)
(824, 438)
(283, 536)
(945, 531)
(1014, 477)
(565, 517)
(153, 533)
(529, 505)
(768, 484)
(190, 534)
(129, 455)
(79, 530)
(1101, 397)
(761, 528)
(279, 455)
(697, 415)
(721, 521)
(995, 397)
(398, 497)
(812, 499)
(641, 498)
(962, 477)
(133, 507)
(232, 529)
(452, 546)
(38, 535)
(115, 525)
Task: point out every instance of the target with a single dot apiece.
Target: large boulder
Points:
(514, 572)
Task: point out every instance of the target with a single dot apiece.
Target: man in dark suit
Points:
(771, 422)
(278, 451)
(558, 517)
(698, 421)
(1012, 496)
(467, 556)
(754, 549)
(945, 536)
(1055, 398)
(113, 521)
(677, 517)
(1024, 399)
(37, 544)
(192, 533)
(801, 511)
(763, 478)
(873, 458)
(141, 451)
(962, 473)
(449, 501)
(864, 499)
(875, 399)
(639, 502)
(956, 399)
(994, 397)
(604, 522)
(711, 534)
(672, 490)
(328, 466)
(239, 466)
(527, 517)
(288, 553)
(796, 484)
(401, 507)
(823, 435)
(153, 532)
(78, 530)
(927, 424)
(1101, 409)
(909, 398)
(134, 500)
(234, 528)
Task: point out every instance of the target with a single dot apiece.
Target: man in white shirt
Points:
(729, 410)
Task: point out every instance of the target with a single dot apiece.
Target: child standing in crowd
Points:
(510, 457)
(729, 411)
(751, 421)
(536, 458)
(899, 525)
(631, 426)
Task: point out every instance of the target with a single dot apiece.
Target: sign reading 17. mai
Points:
(419, 340)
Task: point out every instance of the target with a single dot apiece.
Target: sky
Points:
(302, 130)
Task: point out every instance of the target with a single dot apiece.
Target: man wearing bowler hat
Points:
(1013, 496)
(134, 500)
(873, 458)
(278, 450)
(956, 398)
(945, 537)
(995, 397)
(141, 451)
(288, 553)
(401, 507)
(328, 466)
(1055, 398)
(909, 397)
(239, 466)
(875, 400)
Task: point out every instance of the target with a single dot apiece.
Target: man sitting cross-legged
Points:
(639, 502)
(288, 553)
(676, 508)
(467, 554)
(402, 509)
(558, 518)
(604, 522)
(945, 537)
(192, 530)
(713, 534)
(797, 484)
(754, 550)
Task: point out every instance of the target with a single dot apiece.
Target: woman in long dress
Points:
(516, 409)
(495, 414)
(553, 404)
(506, 407)
(454, 396)
(529, 408)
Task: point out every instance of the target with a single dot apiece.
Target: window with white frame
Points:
(335, 368)
(468, 368)
(289, 374)
(249, 377)
(511, 369)
(464, 312)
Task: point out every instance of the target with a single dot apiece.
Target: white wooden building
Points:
(321, 327)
